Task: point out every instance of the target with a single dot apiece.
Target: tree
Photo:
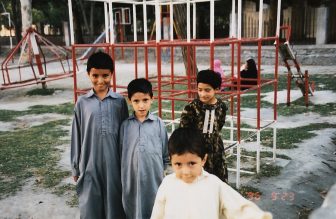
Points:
(50, 12)
(16, 16)
(26, 13)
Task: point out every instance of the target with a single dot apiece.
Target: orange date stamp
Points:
(274, 196)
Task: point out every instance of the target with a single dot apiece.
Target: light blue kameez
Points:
(144, 157)
(95, 155)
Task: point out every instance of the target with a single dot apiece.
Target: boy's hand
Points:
(75, 178)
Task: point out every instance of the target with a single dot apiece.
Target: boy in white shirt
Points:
(191, 192)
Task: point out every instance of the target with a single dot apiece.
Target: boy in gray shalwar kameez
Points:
(144, 152)
(95, 159)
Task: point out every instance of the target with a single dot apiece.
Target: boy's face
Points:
(206, 93)
(187, 166)
(100, 79)
(141, 103)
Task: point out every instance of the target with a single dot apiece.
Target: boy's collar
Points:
(109, 93)
(149, 116)
(203, 175)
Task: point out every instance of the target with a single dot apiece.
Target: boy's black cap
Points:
(209, 77)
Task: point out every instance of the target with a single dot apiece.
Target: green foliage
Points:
(38, 16)
(51, 12)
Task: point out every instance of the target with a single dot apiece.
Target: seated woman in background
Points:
(249, 71)
(218, 69)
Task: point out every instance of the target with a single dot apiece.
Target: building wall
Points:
(302, 18)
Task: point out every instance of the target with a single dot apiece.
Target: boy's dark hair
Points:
(139, 85)
(100, 60)
(184, 140)
(209, 77)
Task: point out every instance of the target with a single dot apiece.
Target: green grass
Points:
(324, 82)
(268, 170)
(289, 138)
(250, 135)
(42, 92)
(298, 107)
(67, 190)
(250, 101)
(31, 152)
(265, 154)
(10, 115)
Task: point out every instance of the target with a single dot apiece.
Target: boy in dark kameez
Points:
(144, 152)
(207, 114)
(95, 153)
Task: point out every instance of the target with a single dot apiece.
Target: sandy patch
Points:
(319, 97)
(20, 103)
(36, 203)
(300, 182)
(31, 120)
(249, 117)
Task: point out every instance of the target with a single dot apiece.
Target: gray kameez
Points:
(95, 154)
(143, 161)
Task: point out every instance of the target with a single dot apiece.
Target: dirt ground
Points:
(298, 189)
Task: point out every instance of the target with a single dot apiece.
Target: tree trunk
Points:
(27, 17)
(77, 23)
(273, 17)
(82, 9)
(16, 11)
(92, 9)
(180, 18)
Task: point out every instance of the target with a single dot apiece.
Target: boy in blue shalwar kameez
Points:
(144, 152)
(95, 159)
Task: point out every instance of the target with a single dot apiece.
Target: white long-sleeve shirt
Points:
(206, 198)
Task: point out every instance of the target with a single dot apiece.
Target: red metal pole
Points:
(188, 71)
(121, 33)
(172, 78)
(158, 58)
(4, 65)
(73, 54)
(276, 78)
(146, 61)
(289, 78)
(212, 53)
(115, 72)
(232, 76)
(306, 87)
(194, 70)
(136, 61)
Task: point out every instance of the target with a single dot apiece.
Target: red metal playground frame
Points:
(26, 64)
(173, 88)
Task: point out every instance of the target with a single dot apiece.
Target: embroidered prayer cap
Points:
(209, 77)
